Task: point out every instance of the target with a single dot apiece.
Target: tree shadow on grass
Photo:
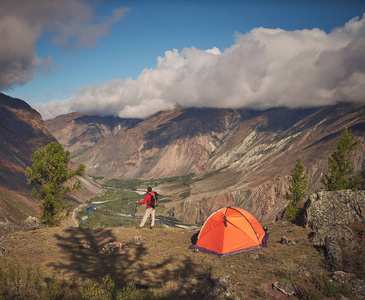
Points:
(174, 278)
(93, 262)
(188, 280)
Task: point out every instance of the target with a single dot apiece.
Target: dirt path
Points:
(75, 211)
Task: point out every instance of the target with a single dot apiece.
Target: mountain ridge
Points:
(23, 132)
(248, 153)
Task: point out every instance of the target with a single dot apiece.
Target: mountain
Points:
(23, 132)
(79, 133)
(240, 157)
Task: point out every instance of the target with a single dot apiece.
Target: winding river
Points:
(166, 223)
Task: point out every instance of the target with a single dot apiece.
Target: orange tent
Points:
(230, 230)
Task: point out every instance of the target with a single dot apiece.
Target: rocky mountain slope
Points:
(78, 132)
(22, 132)
(240, 157)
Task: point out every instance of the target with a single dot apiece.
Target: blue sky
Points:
(71, 69)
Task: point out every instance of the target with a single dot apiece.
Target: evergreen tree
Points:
(342, 175)
(51, 175)
(298, 189)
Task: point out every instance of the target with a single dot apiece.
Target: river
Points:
(167, 223)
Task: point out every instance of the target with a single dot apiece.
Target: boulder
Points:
(137, 240)
(113, 247)
(287, 289)
(31, 223)
(255, 256)
(85, 245)
(329, 213)
(287, 241)
(303, 272)
(342, 277)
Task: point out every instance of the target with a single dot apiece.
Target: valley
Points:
(239, 157)
(217, 157)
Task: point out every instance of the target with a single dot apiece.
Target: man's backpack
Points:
(154, 199)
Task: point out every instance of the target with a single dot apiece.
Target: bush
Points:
(185, 194)
(293, 212)
(31, 284)
(320, 286)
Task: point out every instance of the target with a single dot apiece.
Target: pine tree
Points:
(298, 189)
(342, 175)
(51, 176)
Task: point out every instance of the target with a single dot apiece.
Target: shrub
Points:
(185, 194)
(320, 286)
(31, 284)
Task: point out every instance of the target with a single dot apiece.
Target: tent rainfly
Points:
(230, 230)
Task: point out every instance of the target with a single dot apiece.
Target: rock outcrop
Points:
(338, 221)
(30, 223)
(330, 213)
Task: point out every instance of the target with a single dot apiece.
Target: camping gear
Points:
(230, 230)
(154, 199)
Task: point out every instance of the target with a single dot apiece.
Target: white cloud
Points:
(71, 23)
(264, 68)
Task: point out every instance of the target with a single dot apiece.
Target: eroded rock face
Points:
(248, 154)
(329, 213)
(333, 253)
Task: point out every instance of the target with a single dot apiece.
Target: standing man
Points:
(149, 211)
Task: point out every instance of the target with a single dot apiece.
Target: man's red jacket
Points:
(147, 200)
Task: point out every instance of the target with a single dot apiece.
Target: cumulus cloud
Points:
(263, 68)
(71, 23)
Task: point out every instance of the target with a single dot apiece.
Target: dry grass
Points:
(164, 263)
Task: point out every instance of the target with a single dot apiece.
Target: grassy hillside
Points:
(164, 267)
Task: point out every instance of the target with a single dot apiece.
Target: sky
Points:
(135, 58)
